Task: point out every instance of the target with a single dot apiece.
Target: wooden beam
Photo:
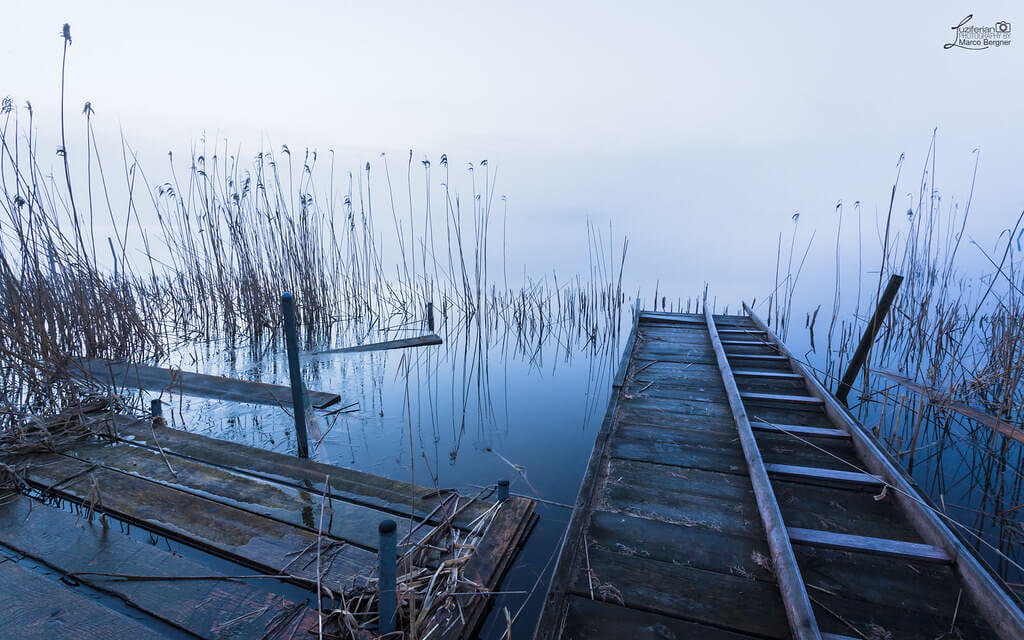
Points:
(121, 374)
(749, 343)
(824, 432)
(802, 622)
(778, 397)
(818, 473)
(404, 343)
(986, 591)
(866, 544)
(757, 356)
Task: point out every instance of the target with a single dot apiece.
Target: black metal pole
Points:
(866, 340)
(298, 392)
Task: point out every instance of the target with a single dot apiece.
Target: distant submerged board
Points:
(125, 374)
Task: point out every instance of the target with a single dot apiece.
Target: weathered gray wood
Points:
(822, 432)
(205, 608)
(802, 623)
(865, 544)
(830, 475)
(418, 341)
(766, 374)
(986, 591)
(36, 608)
(598, 620)
(120, 374)
(757, 356)
(777, 397)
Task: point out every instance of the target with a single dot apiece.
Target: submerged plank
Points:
(267, 545)
(122, 374)
(214, 607)
(404, 343)
(36, 608)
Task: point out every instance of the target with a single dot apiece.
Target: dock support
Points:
(298, 391)
(430, 316)
(156, 408)
(387, 586)
(502, 490)
(866, 340)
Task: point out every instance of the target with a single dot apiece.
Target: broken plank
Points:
(404, 343)
(866, 544)
(120, 374)
(37, 608)
(204, 607)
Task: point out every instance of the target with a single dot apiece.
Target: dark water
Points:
(459, 415)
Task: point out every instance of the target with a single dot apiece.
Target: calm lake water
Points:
(460, 414)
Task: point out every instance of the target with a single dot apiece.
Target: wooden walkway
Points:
(730, 496)
(258, 509)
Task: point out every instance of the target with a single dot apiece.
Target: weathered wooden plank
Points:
(756, 373)
(598, 620)
(758, 357)
(345, 484)
(267, 545)
(865, 544)
(821, 432)
(828, 475)
(728, 602)
(206, 608)
(353, 523)
(404, 343)
(490, 560)
(751, 396)
(36, 608)
(122, 374)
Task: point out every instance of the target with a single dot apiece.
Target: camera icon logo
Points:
(1003, 27)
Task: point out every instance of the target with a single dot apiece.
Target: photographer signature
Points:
(963, 41)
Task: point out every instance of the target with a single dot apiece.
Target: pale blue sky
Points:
(696, 129)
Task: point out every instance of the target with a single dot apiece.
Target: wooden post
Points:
(502, 490)
(156, 408)
(866, 340)
(298, 390)
(430, 316)
(387, 585)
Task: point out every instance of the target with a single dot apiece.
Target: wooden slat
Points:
(120, 374)
(817, 473)
(205, 608)
(747, 343)
(37, 608)
(779, 397)
(750, 373)
(824, 432)
(404, 343)
(598, 620)
(802, 623)
(757, 356)
(865, 544)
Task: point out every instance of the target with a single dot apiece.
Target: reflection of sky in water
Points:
(477, 406)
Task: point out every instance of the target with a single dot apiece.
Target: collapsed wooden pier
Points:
(270, 515)
(730, 496)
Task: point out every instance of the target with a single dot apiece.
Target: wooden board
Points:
(36, 608)
(404, 343)
(120, 374)
(206, 608)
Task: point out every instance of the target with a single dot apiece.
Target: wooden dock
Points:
(268, 514)
(730, 496)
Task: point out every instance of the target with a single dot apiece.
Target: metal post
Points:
(298, 391)
(387, 586)
(503, 490)
(866, 340)
(156, 408)
(430, 316)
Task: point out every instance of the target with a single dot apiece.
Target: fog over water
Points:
(697, 131)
